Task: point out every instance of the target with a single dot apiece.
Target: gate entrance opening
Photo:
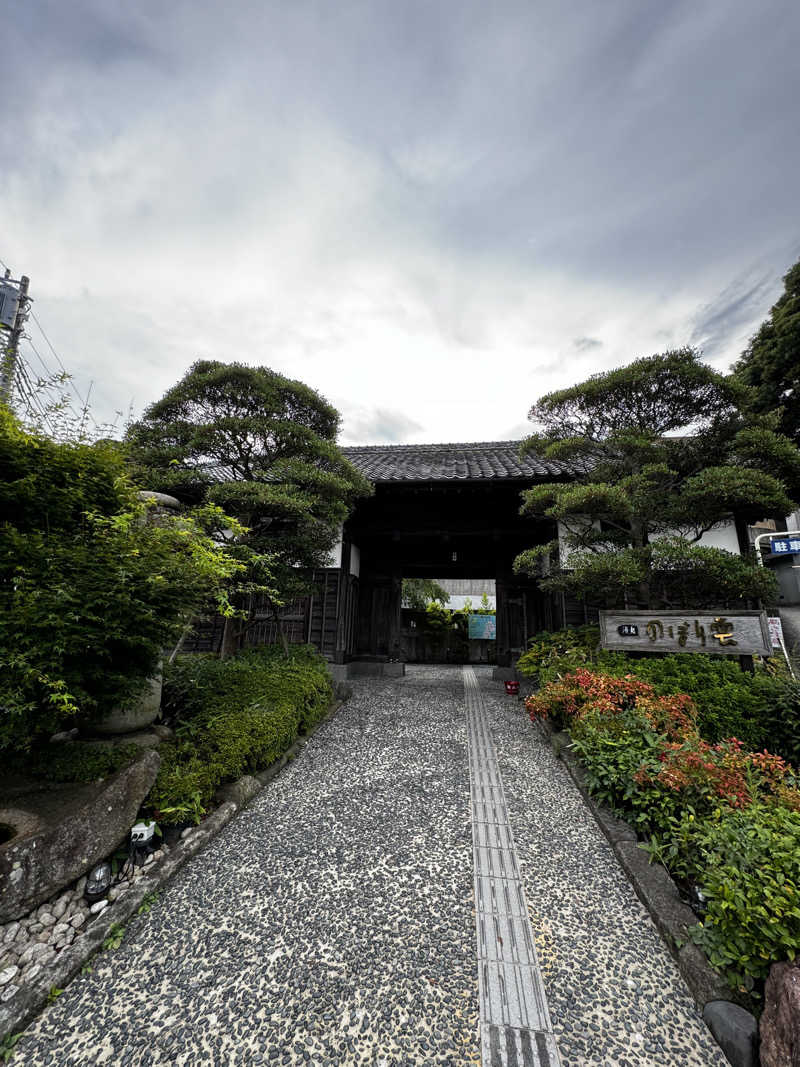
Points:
(441, 511)
(457, 631)
(444, 512)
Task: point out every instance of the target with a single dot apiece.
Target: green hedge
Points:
(719, 817)
(761, 709)
(233, 717)
(75, 761)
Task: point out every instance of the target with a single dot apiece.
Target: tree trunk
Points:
(281, 631)
(184, 634)
(230, 639)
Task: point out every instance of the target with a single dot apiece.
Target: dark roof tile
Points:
(474, 461)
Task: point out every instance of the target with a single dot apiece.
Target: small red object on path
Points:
(512, 688)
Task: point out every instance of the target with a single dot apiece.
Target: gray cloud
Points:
(586, 344)
(411, 206)
(379, 425)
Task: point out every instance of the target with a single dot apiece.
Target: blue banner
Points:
(780, 546)
(483, 627)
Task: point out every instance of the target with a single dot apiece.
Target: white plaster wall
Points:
(723, 536)
(355, 560)
(335, 558)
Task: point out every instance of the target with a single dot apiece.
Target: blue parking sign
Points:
(781, 546)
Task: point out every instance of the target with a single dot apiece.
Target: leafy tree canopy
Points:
(770, 365)
(655, 455)
(419, 592)
(90, 591)
(262, 447)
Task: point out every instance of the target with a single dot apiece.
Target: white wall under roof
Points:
(723, 536)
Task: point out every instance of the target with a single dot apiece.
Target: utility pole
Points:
(8, 362)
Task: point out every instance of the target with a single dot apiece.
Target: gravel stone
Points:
(332, 921)
(7, 974)
(60, 906)
(614, 991)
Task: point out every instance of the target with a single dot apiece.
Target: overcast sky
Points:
(432, 211)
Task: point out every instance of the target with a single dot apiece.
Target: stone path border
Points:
(20, 1010)
(514, 1018)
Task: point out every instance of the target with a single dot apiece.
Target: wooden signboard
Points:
(742, 633)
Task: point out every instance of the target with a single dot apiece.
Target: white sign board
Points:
(775, 631)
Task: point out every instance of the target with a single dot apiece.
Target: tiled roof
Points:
(474, 461)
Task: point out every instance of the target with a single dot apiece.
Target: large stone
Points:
(69, 830)
(735, 1031)
(135, 715)
(704, 982)
(780, 1020)
(240, 792)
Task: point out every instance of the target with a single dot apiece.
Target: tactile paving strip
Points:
(515, 1022)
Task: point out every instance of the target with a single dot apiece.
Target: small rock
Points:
(60, 929)
(158, 855)
(35, 928)
(34, 951)
(32, 972)
(8, 992)
(10, 932)
(149, 859)
(46, 918)
(77, 920)
(26, 956)
(63, 735)
(164, 732)
(98, 906)
(66, 938)
(60, 907)
(80, 885)
(7, 974)
(9, 958)
(45, 936)
(185, 833)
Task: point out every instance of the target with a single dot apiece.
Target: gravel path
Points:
(332, 922)
(616, 998)
(329, 923)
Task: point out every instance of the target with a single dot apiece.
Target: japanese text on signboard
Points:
(730, 634)
(780, 546)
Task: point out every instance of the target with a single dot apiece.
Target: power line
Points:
(84, 412)
(28, 392)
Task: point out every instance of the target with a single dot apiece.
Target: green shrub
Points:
(185, 784)
(90, 593)
(758, 709)
(78, 762)
(748, 866)
(233, 717)
(761, 709)
(552, 654)
(714, 814)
